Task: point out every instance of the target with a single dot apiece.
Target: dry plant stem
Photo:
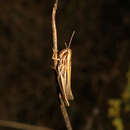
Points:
(54, 58)
(65, 114)
(21, 126)
(54, 33)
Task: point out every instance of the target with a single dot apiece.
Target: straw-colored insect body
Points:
(64, 73)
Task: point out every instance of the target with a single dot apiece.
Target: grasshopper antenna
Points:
(66, 45)
(71, 39)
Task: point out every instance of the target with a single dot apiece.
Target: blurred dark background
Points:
(100, 61)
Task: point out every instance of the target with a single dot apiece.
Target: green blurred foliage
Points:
(117, 106)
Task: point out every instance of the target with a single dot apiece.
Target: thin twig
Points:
(54, 58)
(21, 126)
(65, 114)
(54, 33)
